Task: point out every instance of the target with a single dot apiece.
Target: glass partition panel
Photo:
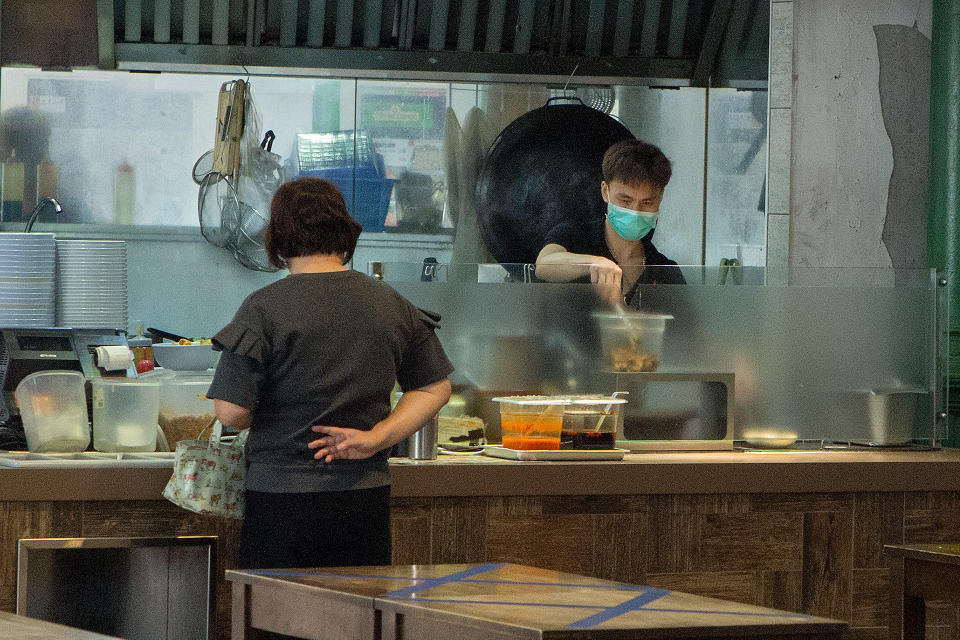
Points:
(832, 355)
(119, 148)
(736, 177)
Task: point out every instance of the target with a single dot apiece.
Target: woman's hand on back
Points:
(341, 442)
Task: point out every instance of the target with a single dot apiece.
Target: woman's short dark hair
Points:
(635, 162)
(308, 216)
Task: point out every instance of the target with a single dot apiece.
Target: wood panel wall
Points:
(819, 554)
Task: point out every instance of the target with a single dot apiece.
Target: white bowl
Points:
(185, 357)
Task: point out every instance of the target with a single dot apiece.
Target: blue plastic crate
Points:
(369, 203)
(333, 149)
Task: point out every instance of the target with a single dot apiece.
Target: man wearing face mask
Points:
(616, 251)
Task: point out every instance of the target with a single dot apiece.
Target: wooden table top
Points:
(534, 598)
(944, 553)
(14, 627)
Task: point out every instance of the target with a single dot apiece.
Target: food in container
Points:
(532, 422)
(53, 406)
(179, 427)
(590, 422)
(632, 341)
(185, 410)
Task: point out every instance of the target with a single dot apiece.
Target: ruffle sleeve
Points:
(429, 318)
(242, 340)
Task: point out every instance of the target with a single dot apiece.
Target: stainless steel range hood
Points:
(650, 42)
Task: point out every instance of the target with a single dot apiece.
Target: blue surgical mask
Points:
(630, 224)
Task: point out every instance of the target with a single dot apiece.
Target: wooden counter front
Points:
(638, 474)
(801, 532)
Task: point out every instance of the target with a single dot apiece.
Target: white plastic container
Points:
(53, 406)
(125, 414)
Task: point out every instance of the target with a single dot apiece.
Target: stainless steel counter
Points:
(84, 460)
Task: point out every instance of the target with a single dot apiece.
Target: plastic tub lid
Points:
(889, 391)
(157, 374)
(597, 400)
(156, 382)
(52, 373)
(634, 315)
(535, 400)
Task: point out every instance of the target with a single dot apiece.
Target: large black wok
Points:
(543, 169)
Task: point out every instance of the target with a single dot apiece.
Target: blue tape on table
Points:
(430, 583)
(611, 587)
(756, 614)
(627, 606)
(605, 614)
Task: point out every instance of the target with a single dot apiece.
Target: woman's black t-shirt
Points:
(321, 348)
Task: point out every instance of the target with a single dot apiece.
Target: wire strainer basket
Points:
(228, 222)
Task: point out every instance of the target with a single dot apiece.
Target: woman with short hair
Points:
(308, 364)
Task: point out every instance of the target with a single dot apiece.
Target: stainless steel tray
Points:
(497, 451)
(86, 459)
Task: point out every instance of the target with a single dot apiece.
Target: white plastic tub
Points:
(125, 414)
(53, 406)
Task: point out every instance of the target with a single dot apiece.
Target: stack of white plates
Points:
(27, 271)
(91, 283)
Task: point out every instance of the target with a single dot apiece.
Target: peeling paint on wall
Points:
(842, 150)
(904, 55)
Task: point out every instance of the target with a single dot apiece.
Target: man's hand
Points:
(606, 276)
(340, 442)
(556, 264)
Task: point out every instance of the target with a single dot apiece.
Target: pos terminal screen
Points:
(44, 343)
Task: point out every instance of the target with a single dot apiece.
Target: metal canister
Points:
(422, 445)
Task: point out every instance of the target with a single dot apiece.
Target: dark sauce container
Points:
(590, 423)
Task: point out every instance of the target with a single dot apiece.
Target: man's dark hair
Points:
(308, 216)
(635, 162)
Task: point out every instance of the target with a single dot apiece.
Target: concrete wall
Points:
(849, 98)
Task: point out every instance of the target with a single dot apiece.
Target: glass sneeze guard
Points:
(818, 355)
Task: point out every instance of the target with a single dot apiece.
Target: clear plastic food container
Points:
(185, 409)
(532, 422)
(632, 342)
(590, 422)
(125, 414)
(53, 406)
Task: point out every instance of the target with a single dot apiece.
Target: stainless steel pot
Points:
(892, 414)
(422, 445)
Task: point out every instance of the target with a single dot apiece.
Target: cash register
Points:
(26, 351)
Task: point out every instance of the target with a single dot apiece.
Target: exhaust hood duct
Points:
(635, 42)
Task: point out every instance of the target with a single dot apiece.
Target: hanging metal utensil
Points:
(203, 167)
